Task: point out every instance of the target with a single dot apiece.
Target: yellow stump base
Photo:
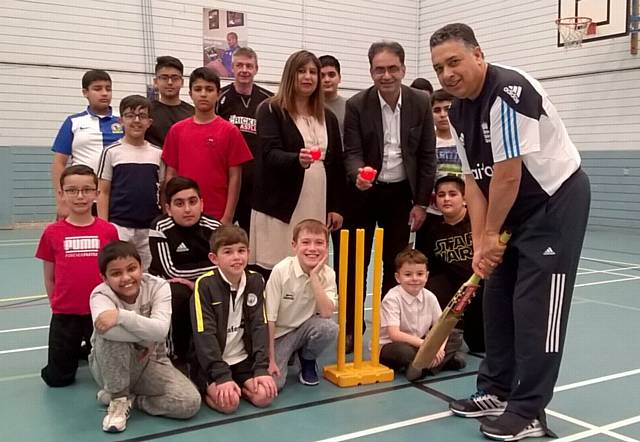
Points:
(368, 373)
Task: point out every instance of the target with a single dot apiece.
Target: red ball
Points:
(368, 173)
(315, 154)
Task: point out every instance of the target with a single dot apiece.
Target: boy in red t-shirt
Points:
(208, 149)
(69, 249)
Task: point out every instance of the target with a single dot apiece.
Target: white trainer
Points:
(116, 419)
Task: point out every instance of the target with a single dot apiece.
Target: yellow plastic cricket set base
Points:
(350, 376)
(359, 372)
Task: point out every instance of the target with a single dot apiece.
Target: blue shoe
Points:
(308, 371)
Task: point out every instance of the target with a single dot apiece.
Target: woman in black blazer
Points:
(299, 172)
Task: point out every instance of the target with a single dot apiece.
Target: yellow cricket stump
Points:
(359, 372)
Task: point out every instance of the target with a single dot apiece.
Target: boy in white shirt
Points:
(131, 312)
(301, 296)
(408, 311)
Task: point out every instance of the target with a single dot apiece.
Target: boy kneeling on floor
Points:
(230, 327)
(131, 312)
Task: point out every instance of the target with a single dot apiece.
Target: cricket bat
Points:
(447, 321)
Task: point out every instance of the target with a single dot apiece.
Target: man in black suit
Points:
(388, 127)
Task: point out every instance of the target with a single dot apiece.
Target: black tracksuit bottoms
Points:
(526, 301)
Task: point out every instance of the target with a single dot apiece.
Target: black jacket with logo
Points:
(209, 317)
(180, 252)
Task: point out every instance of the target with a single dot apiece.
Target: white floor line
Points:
(633, 278)
(20, 350)
(577, 300)
(612, 273)
(20, 376)
(594, 429)
(18, 244)
(608, 261)
(15, 330)
(609, 271)
(570, 419)
(598, 380)
(22, 298)
(617, 273)
(610, 304)
(622, 423)
(388, 427)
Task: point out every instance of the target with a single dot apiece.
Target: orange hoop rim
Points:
(574, 21)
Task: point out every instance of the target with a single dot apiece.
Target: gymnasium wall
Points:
(596, 89)
(46, 46)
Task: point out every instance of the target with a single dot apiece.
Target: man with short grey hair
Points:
(238, 103)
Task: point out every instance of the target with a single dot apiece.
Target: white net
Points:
(572, 30)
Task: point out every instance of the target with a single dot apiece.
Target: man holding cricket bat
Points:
(522, 173)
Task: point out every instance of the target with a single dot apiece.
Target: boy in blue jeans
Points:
(69, 250)
(130, 173)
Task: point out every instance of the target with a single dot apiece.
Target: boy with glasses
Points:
(130, 173)
(69, 250)
(168, 108)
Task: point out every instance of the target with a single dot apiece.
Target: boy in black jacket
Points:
(230, 327)
(179, 245)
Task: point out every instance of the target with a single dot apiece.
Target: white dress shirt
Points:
(392, 167)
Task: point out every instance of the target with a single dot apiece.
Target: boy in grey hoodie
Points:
(131, 312)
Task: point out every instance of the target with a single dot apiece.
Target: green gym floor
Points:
(597, 396)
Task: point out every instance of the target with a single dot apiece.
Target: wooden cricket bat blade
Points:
(446, 323)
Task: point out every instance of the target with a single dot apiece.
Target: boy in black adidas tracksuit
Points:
(230, 333)
(179, 244)
(522, 173)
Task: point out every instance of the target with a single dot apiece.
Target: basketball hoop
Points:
(573, 29)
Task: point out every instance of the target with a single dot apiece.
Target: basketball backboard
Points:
(610, 16)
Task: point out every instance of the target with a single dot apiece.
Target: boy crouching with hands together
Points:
(131, 313)
(230, 327)
(301, 296)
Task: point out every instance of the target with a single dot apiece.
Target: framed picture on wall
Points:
(235, 19)
(214, 19)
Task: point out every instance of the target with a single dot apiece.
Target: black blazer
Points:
(279, 175)
(364, 140)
